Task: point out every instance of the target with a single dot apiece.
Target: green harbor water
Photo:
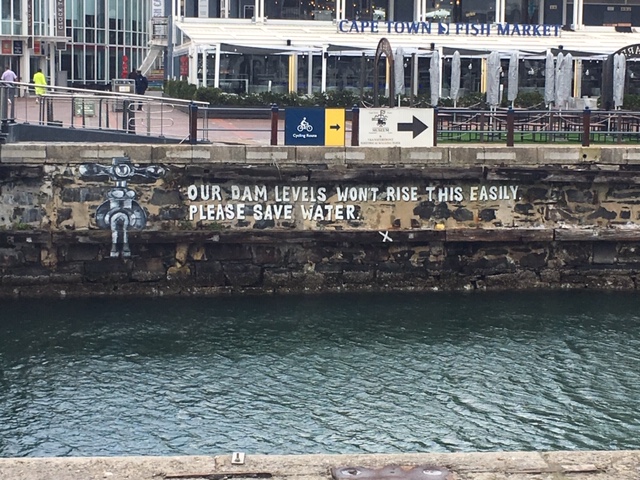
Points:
(384, 373)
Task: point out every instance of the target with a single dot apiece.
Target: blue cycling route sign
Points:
(304, 126)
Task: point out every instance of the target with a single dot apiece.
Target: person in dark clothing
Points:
(141, 85)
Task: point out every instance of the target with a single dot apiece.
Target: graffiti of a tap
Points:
(121, 212)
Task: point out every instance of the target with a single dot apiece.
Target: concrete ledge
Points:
(272, 155)
(373, 155)
(20, 153)
(598, 157)
(585, 465)
(321, 155)
(424, 157)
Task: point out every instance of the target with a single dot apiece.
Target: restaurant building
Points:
(307, 46)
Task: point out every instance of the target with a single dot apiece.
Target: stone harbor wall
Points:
(583, 465)
(146, 220)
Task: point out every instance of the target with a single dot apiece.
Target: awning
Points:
(576, 53)
(251, 50)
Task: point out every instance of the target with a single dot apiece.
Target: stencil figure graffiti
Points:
(121, 212)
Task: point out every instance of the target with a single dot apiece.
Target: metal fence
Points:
(455, 125)
(197, 122)
(537, 126)
(74, 108)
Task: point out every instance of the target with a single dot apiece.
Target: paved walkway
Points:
(152, 119)
(616, 465)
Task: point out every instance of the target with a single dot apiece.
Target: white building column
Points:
(340, 10)
(578, 7)
(310, 74)
(216, 68)
(420, 10)
(323, 84)
(258, 11)
(501, 8)
(540, 12)
(205, 52)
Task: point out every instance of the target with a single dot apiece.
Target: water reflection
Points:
(320, 374)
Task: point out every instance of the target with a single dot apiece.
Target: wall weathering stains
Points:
(195, 227)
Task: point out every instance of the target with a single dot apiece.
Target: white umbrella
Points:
(558, 80)
(398, 72)
(619, 72)
(493, 79)
(434, 77)
(454, 92)
(564, 78)
(512, 89)
(549, 80)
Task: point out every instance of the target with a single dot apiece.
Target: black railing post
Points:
(435, 127)
(510, 126)
(355, 126)
(4, 103)
(586, 127)
(274, 124)
(49, 102)
(193, 123)
(125, 115)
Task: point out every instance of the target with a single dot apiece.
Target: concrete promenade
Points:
(588, 465)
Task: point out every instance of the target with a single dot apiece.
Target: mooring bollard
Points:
(274, 124)
(586, 127)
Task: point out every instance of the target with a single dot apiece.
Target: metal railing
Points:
(197, 122)
(537, 126)
(454, 125)
(75, 108)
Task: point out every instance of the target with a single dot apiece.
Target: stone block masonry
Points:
(85, 220)
(586, 465)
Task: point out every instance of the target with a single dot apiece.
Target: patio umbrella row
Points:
(558, 75)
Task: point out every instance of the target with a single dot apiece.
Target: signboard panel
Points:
(334, 129)
(304, 126)
(17, 47)
(61, 19)
(157, 8)
(395, 127)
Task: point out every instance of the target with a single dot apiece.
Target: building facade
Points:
(318, 45)
(306, 46)
(83, 43)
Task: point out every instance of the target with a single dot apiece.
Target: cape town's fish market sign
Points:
(437, 28)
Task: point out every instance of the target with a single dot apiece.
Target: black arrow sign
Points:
(417, 127)
(334, 127)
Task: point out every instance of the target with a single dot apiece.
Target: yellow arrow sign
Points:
(334, 127)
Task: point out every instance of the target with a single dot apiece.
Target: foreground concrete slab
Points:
(600, 465)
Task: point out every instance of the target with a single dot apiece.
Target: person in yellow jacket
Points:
(39, 79)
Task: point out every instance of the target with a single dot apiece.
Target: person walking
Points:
(8, 79)
(41, 82)
(141, 85)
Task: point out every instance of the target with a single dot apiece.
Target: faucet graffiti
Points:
(121, 212)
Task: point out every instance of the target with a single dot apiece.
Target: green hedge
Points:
(346, 98)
